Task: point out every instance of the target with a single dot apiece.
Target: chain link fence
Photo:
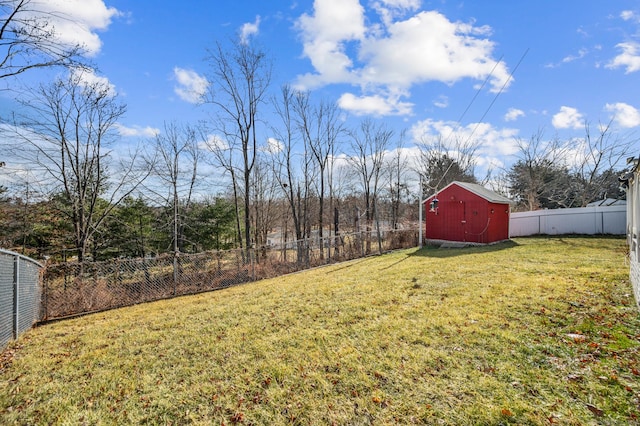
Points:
(19, 295)
(73, 288)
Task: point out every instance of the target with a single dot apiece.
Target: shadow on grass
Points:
(435, 251)
(579, 240)
(347, 265)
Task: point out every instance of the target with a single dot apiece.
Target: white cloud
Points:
(391, 9)
(441, 102)
(137, 131)
(374, 105)
(402, 4)
(570, 58)
(394, 55)
(214, 143)
(273, 146)
(513, 114)
(429, 47)
(191, 86)
(249, 29)
(490, 142)
(76, 21)
(491, 146)
(624, 114)
(568, 118)
(629, 15)
(88, 77)
(325, 34)
(576, 153)
(629, 58)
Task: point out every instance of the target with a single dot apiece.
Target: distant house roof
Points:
(481, 191)
(607, 202)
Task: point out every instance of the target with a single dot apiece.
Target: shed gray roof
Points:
(481, 191)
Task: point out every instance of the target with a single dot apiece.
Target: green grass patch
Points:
(535, 331)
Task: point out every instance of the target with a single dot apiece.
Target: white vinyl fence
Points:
(596, 220)
(633, 228)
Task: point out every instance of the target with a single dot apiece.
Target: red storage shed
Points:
(467, 212)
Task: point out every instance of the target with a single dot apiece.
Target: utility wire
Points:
(498, 94)
(488, 107)
(459, 120)
(484, 83)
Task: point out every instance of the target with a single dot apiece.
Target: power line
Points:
(498, 94)
(488, 107)
(484, 83)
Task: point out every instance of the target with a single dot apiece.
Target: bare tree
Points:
(571, 173)
(65, 137)
(540, 173)
(28, 40)
(264, 200)
(222, 155)
(369, 144)
(320, 128)
(292, 170)
(2, 188)
(241, 75)
(441, 162)
(176, 160)
(601, 153)
(397, 169)
(334, 129)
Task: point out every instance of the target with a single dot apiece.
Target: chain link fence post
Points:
(16, 288)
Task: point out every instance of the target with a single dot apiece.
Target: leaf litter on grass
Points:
(458, 336)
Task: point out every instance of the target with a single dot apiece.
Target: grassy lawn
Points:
(535, 331)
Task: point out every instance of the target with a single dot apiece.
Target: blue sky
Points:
(493, 71)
